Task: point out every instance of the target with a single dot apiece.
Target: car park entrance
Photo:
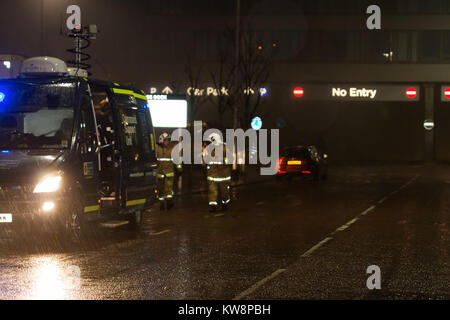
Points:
(365, 123)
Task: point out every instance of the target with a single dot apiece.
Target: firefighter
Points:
(166, 171)
(218, 176)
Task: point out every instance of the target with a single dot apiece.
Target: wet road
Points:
(291, 240)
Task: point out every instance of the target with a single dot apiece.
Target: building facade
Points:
(327, 44)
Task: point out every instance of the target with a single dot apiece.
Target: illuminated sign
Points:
(168, 111)
(354, 93)
(211, 91)
(411, 93)
(298, 92)
(153, 90)
(256, 123)
(167, 90)
(357, 92)
(263, 92)
(428, 124)
(445, 93)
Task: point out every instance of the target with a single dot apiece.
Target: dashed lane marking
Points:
(382, 200)
(159, 233)
(317, 246)
(321, 243)
(259, 284)
(367, 210)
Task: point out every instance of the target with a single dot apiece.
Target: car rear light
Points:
(280, 162)
(306, 172)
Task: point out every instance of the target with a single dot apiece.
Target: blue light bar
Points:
(5, 151)
(2, 96)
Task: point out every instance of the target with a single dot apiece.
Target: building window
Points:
(431, 46)
(377, 44)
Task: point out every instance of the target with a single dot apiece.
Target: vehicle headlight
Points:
(48, 184)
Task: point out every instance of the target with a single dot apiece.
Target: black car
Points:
(302, 161)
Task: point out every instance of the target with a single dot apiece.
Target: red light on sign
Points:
(411, 93)
(298, 92)
(447, 93)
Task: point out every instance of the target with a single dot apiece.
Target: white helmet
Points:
(215, 138)
(163, 137)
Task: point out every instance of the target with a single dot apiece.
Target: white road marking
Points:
(259, 284)
(317, 246)
(367, 211)
(320, 244)
(341, 228)
(382, 200)
(159, 233)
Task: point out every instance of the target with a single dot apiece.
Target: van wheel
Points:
(136, 220)
(73, 227)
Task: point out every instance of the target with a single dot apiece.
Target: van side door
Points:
(138, 150)
(89, 154)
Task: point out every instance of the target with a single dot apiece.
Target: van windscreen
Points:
(36, 116)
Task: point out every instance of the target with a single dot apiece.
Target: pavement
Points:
(296, 239)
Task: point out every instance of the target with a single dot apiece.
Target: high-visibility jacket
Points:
(165, 163)
(219, 171)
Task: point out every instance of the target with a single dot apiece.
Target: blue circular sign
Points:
(256, 123)
(2, 96)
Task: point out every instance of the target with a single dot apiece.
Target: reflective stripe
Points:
(168, 175)
(226, 201)
(164, 159)
(130, 93)
(215, 162)
(213, 203)
(219, 179)
(161, 199)
(153, 141)
(135, 202)
(91, 208)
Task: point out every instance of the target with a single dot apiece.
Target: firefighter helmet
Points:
(163, 137)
